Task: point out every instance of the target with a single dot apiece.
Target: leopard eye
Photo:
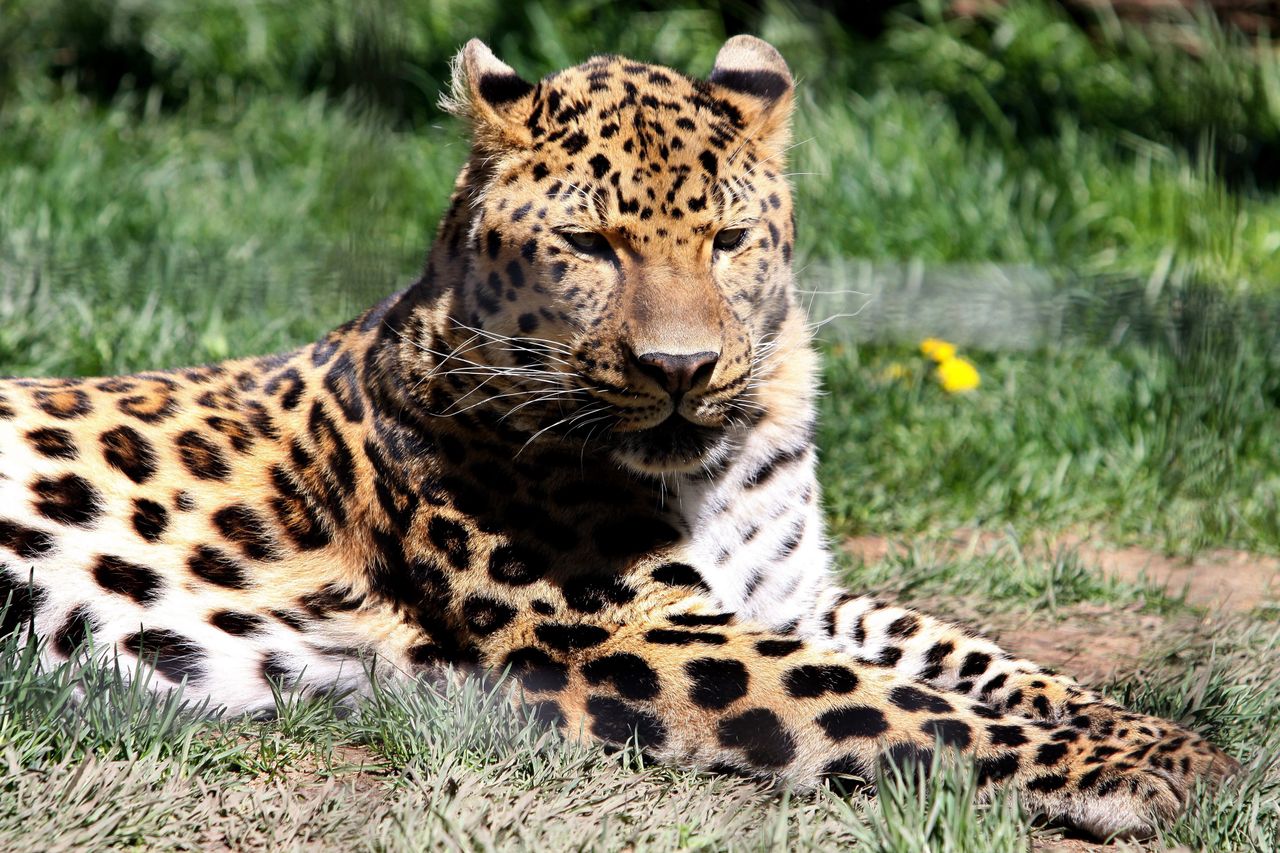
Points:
(587, 242)
(729, 239)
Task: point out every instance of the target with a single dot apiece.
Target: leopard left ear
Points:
(494, 100)
(761, 86)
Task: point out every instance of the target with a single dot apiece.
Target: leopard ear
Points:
(760, 85)
(491, 97)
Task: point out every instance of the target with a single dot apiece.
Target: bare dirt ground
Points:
(1235, 580)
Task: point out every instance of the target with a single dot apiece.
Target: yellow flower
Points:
(938, 349)
(894, 371)
(958, 375)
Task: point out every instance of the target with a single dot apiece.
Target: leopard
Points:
(576, 453)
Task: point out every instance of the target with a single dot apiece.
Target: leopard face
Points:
(626, 261)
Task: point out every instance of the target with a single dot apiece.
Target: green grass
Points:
(1012, 137)
(909, 179)
(255, 224)
(1171, 445)
(45, 723)
(1020, 70)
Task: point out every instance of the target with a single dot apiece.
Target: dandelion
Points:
(958, 375)
(894, 371)
(938, 349)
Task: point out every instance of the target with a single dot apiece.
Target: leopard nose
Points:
(677, 373)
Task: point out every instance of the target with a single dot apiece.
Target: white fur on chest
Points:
(758, 536)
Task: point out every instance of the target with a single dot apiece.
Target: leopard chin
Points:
(675, 446)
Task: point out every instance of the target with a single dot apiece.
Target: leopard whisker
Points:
(549, 377)
(543, 396)
(489, 397)
(522, 342)
(547, 397)
(602, 407)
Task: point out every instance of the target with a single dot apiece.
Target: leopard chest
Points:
(756, 532)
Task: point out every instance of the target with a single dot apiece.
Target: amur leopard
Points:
(578, 448)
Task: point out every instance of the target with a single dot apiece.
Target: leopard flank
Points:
(579, 448)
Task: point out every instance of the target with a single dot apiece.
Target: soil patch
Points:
(1224, 579)
(1092, 642)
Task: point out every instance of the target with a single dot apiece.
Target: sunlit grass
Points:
(1170, 444)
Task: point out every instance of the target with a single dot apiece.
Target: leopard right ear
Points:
(756, 77)
(491, 97)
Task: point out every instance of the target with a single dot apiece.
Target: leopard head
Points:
(622, 237)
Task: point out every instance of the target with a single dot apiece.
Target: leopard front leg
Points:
(950, 658)
(696, 687)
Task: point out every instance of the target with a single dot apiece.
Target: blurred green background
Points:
(1088, 205)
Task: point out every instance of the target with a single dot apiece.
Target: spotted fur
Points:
(579, 447)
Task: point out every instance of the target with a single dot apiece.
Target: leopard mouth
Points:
(676, 445)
